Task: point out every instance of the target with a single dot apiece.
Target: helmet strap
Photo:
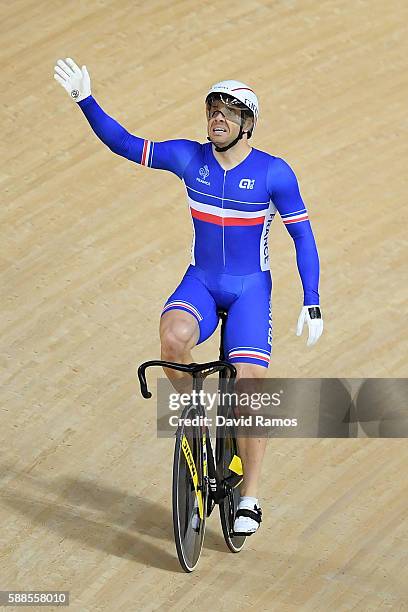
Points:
(234, 142)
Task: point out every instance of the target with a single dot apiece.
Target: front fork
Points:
(211, 481)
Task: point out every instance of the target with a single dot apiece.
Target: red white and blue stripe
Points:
(249, 354)
(295, 217)
(147, 153)
(225, 216)
(182, 305)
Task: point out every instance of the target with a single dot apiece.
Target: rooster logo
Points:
(204, 172)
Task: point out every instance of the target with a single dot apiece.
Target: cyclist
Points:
(234, 192)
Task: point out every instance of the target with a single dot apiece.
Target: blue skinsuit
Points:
(232, 211)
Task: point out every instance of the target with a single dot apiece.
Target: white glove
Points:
(74, 80)
(313, 316)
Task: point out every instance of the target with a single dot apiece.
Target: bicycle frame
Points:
(218, 489)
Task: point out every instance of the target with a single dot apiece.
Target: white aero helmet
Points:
(241, 93)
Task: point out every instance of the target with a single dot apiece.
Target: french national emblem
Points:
(204, 172)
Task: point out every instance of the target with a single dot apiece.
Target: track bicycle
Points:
(202, 478)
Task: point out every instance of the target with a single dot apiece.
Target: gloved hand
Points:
(313, 316)
(74, 80)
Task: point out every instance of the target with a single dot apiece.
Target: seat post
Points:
(222, 314)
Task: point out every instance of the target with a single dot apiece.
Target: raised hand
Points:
(74, 80)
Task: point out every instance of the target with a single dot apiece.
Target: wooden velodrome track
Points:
(91, 247)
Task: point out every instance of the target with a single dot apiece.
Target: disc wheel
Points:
(227, 456)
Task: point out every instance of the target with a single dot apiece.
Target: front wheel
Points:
(189, 491)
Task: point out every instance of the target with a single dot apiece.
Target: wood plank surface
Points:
(92, 245)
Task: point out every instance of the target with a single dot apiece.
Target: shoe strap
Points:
(255, 514)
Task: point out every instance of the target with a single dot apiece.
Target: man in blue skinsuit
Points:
(234, 192)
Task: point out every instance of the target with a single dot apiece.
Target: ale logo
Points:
(246, 183)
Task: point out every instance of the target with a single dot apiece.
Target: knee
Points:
(178, 337)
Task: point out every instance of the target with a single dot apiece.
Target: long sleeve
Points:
(285, 194)
(171, 155)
